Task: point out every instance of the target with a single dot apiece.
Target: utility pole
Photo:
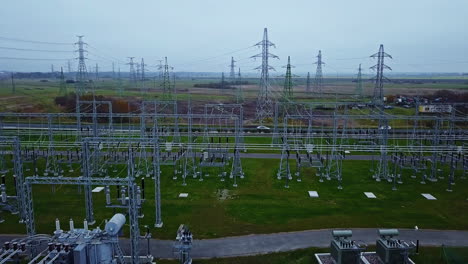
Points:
(239, 94)
(63, 86)
(287, 89)
(318, 83)
(113, 71)
(232, 74)
(359, 83)
(308, 83)
(379, 78)
(264, 108)
(52, 69)
(166, 84)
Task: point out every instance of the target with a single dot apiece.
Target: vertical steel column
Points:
(157, 174)
(86, 170)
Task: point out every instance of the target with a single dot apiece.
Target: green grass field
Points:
(261, 204)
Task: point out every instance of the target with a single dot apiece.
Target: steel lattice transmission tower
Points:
(69, 66)
(138, 77)
(318, 82)
(232, 74)
(359, 82)
(166, 84)
(287, 89)
(142, 77)
(264, 107)
(308, 83)
(119, 83)
(81, 74)
(97, 72)
(379, 78)
(63, 86)
(223, 81)
(239, 93)
(132, 70)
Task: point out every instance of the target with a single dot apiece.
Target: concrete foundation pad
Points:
(428, 196)
(97, 189)
(370, 195)
(313, 194)
(183, 195)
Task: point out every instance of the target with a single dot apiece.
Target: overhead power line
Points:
(33, 59)
(35, 41)
(40, 50)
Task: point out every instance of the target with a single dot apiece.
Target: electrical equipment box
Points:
(391, 250)
(343, 249)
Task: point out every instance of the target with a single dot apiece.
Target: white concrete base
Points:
(97, 189)
(428, 196)
(313, 194)
(183, 195)
(370, 195)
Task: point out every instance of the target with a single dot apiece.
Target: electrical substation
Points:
(95, 148)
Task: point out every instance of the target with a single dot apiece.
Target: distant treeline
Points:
(35, 75)
(220, 85)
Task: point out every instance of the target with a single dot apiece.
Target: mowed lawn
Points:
(261, 204)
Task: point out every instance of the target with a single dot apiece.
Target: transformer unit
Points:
(76, 246)
(390, 250)
(343, 249)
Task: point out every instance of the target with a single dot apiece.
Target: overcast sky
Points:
(202, 35)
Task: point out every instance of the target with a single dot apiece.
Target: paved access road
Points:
(288, 241)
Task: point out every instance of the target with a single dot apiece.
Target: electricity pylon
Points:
(143, 69)
(287, 89)
(239, 93)
(132, 70)
(223, 81)
(97, 72)
(119, 83)
(379, 78)
(63, 86)
(308, 83)
(359, 83)
(232, 74)
(264, 107)
(166, 84)
(318, 83)
(81, 74)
